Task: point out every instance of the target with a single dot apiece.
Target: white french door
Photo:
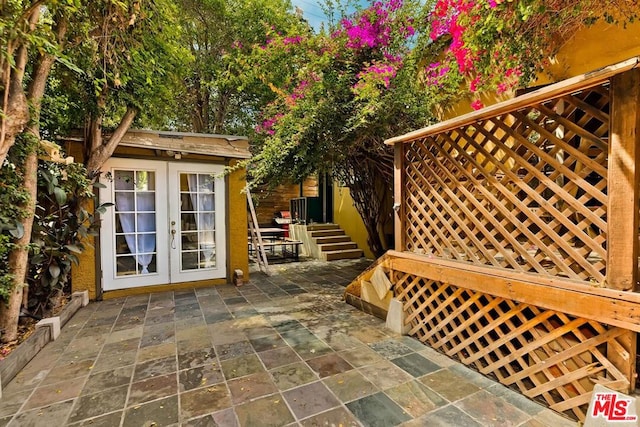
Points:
(167, 224)
(197, 222)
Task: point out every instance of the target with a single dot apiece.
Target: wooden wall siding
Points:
(548, 356)
(524, 190)
(268, 202)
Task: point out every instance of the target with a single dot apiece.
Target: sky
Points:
(312, 11)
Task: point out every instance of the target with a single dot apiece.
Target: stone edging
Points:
(46, 330)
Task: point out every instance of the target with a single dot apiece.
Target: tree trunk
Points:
(15, 106)
(100, 151)
(368, 183)
(14, 101)
(200, 115)
(19, 257)
(221, 111)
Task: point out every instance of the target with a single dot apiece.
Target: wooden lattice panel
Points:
(547, 355)
(525, 190)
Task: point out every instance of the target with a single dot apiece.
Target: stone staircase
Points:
(326, 241)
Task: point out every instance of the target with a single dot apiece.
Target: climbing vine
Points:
(478, 45)
(13, 195)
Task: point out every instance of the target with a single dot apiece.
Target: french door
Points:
(166, 225)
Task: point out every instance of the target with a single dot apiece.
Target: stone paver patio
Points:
(283, 350)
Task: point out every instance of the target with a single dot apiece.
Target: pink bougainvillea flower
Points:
(477, 104)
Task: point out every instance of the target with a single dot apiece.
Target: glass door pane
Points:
(134, 195)
(197, 222)
(197, 218)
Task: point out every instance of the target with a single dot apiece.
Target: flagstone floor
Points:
(283, 350)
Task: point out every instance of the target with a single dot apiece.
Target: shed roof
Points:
(230, 146)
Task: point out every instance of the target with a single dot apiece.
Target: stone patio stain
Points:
(270, 411)
(350, 386)
(201, 376)
(329, 364)
(92, 405)
(152, 388)
(241, 366)
(154, 368)
(415, 398)
(333, 417)
(100, 381)
(59, 392)
(278, 357)
(293, 375)
(251, 387)
(204, 401)
(449, 385)
(159, 413)
(310, 399)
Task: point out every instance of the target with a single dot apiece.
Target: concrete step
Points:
(328, 233)
(331, 239)
(337, 246)
(317, 227)
(346, 254)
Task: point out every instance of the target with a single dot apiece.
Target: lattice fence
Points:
(545, 354)
(526, 190)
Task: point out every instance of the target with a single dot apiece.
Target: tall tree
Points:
(217, 98)
(339, 95)
(131, 59)
(18, 259)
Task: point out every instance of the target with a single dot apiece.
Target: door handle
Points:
(173, 235)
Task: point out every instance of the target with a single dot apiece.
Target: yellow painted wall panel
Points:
(237, 220)
(346, 215)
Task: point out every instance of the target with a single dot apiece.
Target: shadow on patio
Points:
(280, 350)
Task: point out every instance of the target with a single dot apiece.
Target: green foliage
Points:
(61, 224)
(217, 97)
(12, 197)
(130, 56)
(338, 96)
(6, 279)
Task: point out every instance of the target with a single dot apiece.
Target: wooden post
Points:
(399, 204)
(623, 208)
(623, 179)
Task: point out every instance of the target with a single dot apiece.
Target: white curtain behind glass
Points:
(203, 202)
(142, 246)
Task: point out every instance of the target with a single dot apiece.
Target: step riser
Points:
(333, 256)
(326, 240)
(327, 233)
(337, 246)
(318, 227)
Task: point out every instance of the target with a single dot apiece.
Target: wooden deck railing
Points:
(537, 194)
(546, 183)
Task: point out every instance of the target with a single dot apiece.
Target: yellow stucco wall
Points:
(83, 275)
(346, 215)
(592, 48)
(237, 220)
